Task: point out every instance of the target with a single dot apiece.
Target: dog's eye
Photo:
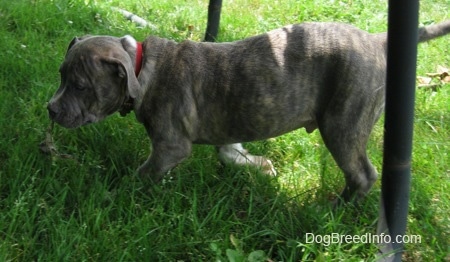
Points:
(79, 87)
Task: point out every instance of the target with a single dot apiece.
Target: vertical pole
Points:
(400, 96)
(212, 27)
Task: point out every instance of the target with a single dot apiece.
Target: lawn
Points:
(87, 205)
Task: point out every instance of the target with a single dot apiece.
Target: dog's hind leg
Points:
(236, 154)
(346, 138)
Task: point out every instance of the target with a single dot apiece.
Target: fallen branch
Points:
(134, 18)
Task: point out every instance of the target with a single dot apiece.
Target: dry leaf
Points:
(427, 81)
(445, 74)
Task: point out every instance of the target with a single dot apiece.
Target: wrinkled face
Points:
(91, 87)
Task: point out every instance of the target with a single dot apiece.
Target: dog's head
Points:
(97, 78)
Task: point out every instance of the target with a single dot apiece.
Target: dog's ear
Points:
(125, 70)
(133, 85)
(76, 40)
(72, 43)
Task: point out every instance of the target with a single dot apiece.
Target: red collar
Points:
(138, 66)
(127, 106)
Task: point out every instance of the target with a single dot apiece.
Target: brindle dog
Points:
(329, 76)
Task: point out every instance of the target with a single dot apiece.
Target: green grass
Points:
(90, 207)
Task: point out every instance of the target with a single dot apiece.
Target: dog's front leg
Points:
(236, 154)
(165, 156)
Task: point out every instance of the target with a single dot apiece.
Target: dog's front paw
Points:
(147, 175)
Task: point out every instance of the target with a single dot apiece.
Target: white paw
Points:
(236, 154)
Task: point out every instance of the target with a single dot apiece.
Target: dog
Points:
(326, 76)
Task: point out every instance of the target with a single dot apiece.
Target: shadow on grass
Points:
(222, 203)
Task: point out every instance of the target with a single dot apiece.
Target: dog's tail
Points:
(433, 31)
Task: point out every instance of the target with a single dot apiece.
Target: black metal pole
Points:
(400, 96)
(212, 27)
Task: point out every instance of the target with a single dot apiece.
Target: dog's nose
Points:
(53, 110)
